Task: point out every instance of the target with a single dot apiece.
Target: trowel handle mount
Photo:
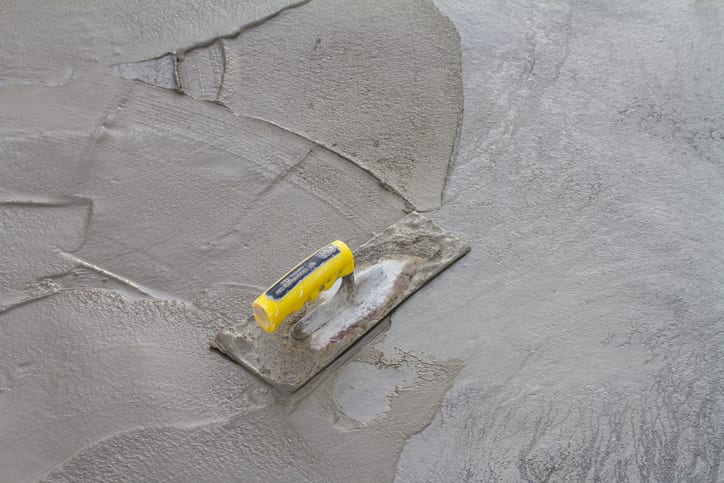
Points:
(302, 284)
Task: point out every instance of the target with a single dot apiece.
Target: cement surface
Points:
(580, 339)
(590, 181)
(376, 82)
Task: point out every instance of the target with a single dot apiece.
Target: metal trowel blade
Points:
(389, 268)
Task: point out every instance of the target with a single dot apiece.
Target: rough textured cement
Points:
(590, 179)
(588, 315)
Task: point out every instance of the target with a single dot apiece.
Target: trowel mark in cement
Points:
(39, 265)
(43, 264)
(45, 223)
(186, 193)
(389, 97)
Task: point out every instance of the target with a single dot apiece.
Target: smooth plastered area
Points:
(162, 163)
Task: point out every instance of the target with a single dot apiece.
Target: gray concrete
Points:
(590, 183)
(580, 339)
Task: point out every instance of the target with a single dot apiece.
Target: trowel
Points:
(335, 299)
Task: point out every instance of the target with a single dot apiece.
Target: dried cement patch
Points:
(376, 82)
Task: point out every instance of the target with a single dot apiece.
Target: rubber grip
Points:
(302, 284)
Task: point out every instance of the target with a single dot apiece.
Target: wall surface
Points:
(160, 165)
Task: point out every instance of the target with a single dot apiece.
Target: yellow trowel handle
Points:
(302, 284)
